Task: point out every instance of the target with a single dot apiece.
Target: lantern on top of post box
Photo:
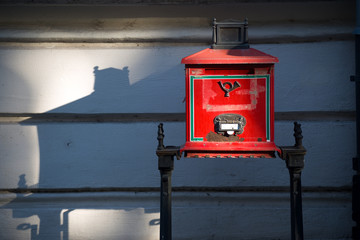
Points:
(229, 97)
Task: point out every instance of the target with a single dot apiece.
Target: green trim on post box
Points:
(267, 98)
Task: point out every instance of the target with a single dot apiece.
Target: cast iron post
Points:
(166, 166)
(294, 157)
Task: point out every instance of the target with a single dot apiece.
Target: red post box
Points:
(229, 98)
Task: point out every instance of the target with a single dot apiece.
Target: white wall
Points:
(75, 165)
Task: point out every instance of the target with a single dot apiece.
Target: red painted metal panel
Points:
(229, 56)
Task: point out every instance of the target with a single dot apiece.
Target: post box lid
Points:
(229, 56)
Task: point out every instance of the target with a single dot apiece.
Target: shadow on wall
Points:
(111, 85)
(84, 155)
(58, 218)
(53, 223)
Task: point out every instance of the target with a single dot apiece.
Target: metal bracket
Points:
(168, 150)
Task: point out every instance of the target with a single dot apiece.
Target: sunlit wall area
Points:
(84, 85)
(79, 216)
(20, 156)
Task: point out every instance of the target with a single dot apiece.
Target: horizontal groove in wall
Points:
(178, 189)
(95, 118)
(31, 118)
(316, 116)
(88, 45)
(144, 2)
(96, 42)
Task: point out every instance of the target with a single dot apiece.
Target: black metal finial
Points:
(298, 134)
(160, 137)
(214, 31)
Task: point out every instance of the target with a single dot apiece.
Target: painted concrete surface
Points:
(176, 30)
(104, 155)
(113, 15)
(309, 77)
(129, 215)
(80, 216)
(76, 155)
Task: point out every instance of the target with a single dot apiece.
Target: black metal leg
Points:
(294, 157)
(166, 166)
(296, 205)
(165, 205)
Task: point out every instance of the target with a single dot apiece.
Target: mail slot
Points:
(229, 98)
(229, 124)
